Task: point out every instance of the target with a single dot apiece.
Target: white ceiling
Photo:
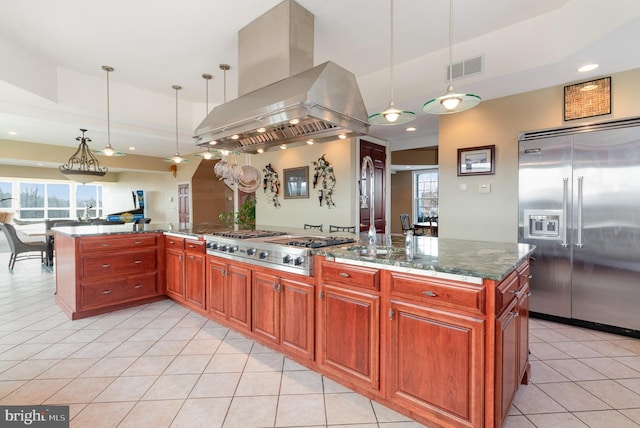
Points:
(51, 82)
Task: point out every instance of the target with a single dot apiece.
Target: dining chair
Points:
(313, 226)
(405, 221)
(21, 250)
(333, 228)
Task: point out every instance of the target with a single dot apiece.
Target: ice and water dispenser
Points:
(542, 224)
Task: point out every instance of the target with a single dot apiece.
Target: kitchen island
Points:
(442, 338)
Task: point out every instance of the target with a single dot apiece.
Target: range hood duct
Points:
(321, 104)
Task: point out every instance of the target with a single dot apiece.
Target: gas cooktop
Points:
(311, 241)
(248, 234)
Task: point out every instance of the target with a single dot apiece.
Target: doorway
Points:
(184, 216)
(379, 156)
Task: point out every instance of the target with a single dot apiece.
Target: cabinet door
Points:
(507, 365)
(350, 334)
(216, 290)
(194, 280)
(239, 295)
(266, 306)
(174, 261)
(436, 363)
(297, 318)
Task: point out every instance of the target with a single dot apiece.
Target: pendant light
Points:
(108, 150)
(451, 102)
(392, 115)
(176, 158)
(207, 154)
(83, 166)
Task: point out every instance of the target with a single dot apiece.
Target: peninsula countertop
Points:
(439, 257)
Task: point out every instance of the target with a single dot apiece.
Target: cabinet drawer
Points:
(353, 276)
(523, 273)
(194, 246)
(438, 292)
(506, 291)
(173, 242)
(129, 262)
(101, 243)
(117, 291)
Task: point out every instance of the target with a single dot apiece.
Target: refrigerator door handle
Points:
(565, 191)
(579, 236)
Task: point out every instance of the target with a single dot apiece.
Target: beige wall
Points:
(401, 197)
(468, 214)
(297, 212)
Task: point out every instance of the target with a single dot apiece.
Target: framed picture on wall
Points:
(296, 183)
(476, 160)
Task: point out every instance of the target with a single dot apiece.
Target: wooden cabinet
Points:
(283, 312)
(98, 274)
(174, 267)
(194, 274)
(185, 271)
(512, 339)
(229, 292)
(349, 324)
(436, 349)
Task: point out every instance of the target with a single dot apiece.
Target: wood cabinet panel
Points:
(350, 334)
(435, 364)
(194, 280)
(239, 296)
(109, 243)
(432, 291)
(506, 291)
(173, 242)
(507, 367)
(216, 290)
(121, 263)
(354, 276)
(297, 317)
(266, 306)
(104, 294)
(174, 268)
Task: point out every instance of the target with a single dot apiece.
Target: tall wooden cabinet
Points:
(185, 271)
(229, 292)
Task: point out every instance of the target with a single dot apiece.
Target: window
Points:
(88, 196)
(5, 194)
(50, 200)
(425, 194)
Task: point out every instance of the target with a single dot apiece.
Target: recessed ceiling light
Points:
(588, 67)
(310, 142)
(410, 129)
(213, 142)
(13, 133)
(283, 146)
(235, 137)
(342, 136)
(132, 148)
(261, 129)
(294, 121)
(260, 150)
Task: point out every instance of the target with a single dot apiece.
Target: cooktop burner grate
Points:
(248, 234)
(319, 242)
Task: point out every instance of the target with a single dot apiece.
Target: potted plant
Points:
(245, 218)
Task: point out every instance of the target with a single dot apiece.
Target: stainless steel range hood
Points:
(321, 104)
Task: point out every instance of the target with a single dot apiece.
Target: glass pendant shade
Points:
(83, 166)
(392, 115)
(451, 102)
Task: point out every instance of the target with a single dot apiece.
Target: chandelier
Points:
(83, 166)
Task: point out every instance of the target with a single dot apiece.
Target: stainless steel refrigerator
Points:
(579, 203)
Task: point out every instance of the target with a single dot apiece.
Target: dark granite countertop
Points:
(439, 257)
(186, 230)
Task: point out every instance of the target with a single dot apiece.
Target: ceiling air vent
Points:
(465, 68)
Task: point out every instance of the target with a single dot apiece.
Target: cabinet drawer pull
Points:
(138, 262)
(106, 245)
(516, 293)
(106, 265)
(106, 292)
(429, 293)
(138, 242)
(192, 246)
(529, 294)
(515, 314)
(137, 286)
(191, 257)
(344, 275)
(530, 276)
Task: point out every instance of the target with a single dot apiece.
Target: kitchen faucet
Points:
(367, 162)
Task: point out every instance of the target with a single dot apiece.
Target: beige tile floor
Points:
(161, 365)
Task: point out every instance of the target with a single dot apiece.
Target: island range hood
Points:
(319, 104)
(284, 99)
